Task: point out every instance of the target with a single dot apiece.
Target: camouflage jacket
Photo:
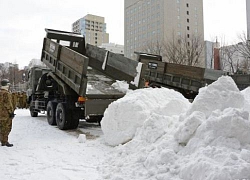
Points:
(6, 106)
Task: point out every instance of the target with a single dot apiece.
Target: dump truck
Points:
(183, 78)
(77, 81)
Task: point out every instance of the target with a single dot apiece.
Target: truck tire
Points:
(51, 113)
(32, 112)
(74, 119)
(62, 117)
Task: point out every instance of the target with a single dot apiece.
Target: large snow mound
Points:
(124, 116)
(208, 143)
(221, 94)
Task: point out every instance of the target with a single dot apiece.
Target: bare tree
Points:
(4, 72)
(187, 51)
(184, 50)
(243, 49)
(228, 56)
(174, 51)
(155, 47)
(235, 58)
(244, 46)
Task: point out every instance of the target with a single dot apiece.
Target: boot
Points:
(7, 144)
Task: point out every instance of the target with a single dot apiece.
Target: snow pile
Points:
(246, 94)
(222, 94)
(124, 116)
(208, 143)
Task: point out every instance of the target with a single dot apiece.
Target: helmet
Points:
(5, 82)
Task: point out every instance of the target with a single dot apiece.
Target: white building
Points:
(36, 62)
(248, 18)
(112, 47)
(93, 28)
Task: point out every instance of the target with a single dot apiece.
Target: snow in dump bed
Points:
(172, 139)
(122, 86)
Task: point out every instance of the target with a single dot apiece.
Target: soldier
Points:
(6, 113)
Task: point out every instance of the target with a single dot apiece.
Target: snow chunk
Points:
(189, 126)
(82, 138)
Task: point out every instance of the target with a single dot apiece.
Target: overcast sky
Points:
(22, 22)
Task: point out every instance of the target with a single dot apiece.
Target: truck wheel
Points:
(62, 117)
(32, 112)
(51, 113)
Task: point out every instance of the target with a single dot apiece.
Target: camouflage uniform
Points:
(6, 109)
(20, 99)
(14, 100)
(24, 100)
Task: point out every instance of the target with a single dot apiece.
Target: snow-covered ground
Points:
(153, 134)
(43, 152)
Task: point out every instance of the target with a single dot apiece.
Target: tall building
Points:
(248, 18)
(93, 28)
(158, 21)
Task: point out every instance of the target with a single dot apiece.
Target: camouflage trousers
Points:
(5, 128)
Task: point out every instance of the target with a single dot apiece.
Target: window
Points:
(187, 12)
(188, 35)
(75, 44)
(152, 65)
(65, 43)
(187, 5)
(188, 20)
(188, 28)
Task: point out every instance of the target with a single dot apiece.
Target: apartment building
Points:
(151, 21)
(93, 28)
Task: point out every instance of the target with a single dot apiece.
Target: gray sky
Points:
(22, 22)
